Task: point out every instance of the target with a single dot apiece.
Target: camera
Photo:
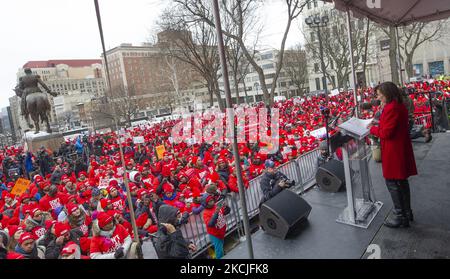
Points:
(288, 182)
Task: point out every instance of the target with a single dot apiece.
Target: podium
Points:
(360, 211)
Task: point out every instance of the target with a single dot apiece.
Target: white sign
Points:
(104, 183)
(334, 92)
(138, 140)
(120, 171)
(319, 133)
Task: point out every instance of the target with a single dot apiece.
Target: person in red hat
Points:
(216, 225)
(171, 196)
(64, 234)
(106, 205)
(223, 169)
(110, 240)
(26, 248)
(78, 219)
(52, 201)
(117, 198)
(167, 163)
(256, 167)
(35, 222)
(70, 251)
(8, 202)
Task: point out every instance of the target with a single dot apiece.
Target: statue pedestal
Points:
(49, 141)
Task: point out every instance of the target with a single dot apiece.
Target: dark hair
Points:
(390, 91)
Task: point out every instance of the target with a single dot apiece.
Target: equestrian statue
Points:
(33, 101)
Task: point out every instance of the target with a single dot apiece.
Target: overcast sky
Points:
(67, 29)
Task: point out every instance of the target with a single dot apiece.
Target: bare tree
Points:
(67, 116)
(336, 49)
(416, 34)
(295, 67)
(239, 67)
(410, 38)
(124, 103)
(196, 46)
(238, 17)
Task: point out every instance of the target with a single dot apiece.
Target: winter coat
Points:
(269, 185)
(397, 154)
(53, 250)
(170, 246)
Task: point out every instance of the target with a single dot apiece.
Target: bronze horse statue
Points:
(33, 101)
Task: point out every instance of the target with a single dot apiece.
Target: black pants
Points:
(400, 194)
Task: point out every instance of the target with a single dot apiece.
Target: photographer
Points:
(170, 243)
(324, 155)
(273, 181)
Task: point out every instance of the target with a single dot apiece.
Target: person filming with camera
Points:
(273, 181)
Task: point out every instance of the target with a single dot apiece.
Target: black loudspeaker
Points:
(283, 214)
(331, 176)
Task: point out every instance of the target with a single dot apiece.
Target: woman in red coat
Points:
(397, 154)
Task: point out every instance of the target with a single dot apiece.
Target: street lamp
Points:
(318, 22)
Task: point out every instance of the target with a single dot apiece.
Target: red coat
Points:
(397, 154)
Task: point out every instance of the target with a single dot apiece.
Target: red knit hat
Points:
(49, 224)
(34, 211)
(104, 219)
(61, 229)
(12, 229)
(167, 188)
(71, 208)
(24, 237)
(104, 203)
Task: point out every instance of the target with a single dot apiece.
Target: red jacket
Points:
(396, 149)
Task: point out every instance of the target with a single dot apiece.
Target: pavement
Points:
(323, 238)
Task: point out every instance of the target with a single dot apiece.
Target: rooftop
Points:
(69, 62)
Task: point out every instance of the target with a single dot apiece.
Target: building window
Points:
(360, 24)
(267, 66)
(313, 37)
(418, 69)
(316, 67)
(309, 5)
(331, 65)
(315, 3)
(317, 83)
(436, 68)
(266, 56)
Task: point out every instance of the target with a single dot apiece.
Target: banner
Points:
(160, 149)
(138, 140)
(20, 187)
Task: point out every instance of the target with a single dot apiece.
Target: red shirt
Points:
(221, 225)
(118, 203)
(48, 203)
(104, 245)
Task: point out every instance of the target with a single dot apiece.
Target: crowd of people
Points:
(76, 203)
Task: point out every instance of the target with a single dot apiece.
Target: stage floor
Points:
(323, 238)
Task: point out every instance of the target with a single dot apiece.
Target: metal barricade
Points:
(307, 165)
(424, 120)
(302, 170)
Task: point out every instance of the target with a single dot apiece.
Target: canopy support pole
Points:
(399, 61)
(352, 64)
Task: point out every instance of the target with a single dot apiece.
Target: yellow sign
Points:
(20, 187)
(160, 149)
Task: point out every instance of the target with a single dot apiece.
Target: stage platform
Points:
(323, 238)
